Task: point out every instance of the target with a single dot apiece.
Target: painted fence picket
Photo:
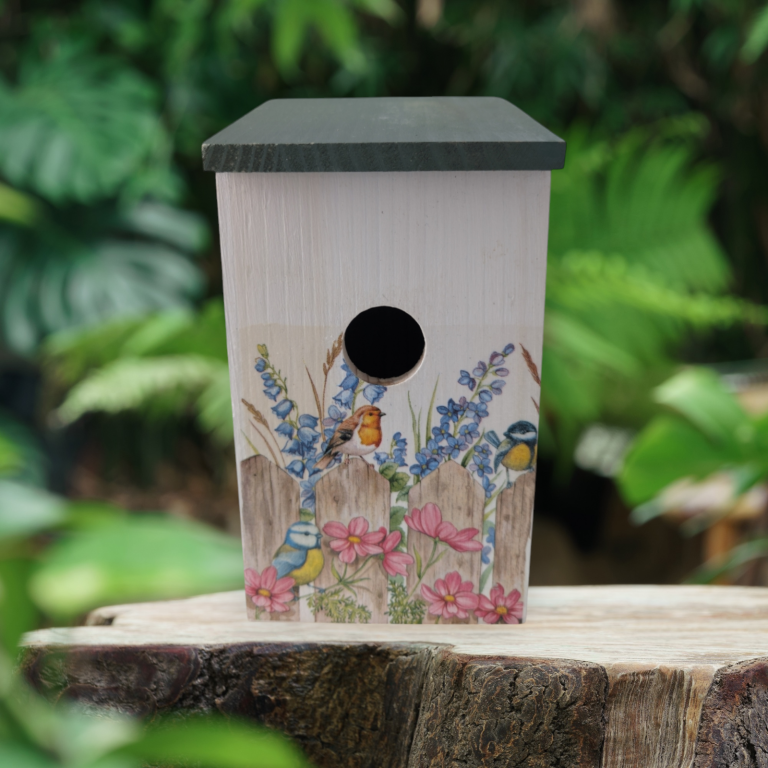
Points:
(354, 489)
(461, 500)
(270, 500)
(514, 518)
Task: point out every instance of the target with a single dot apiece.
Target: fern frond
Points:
(134, 383)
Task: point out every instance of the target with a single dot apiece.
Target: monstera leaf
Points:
(74, 128)
(72, 271)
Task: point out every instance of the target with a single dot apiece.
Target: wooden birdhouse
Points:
(384, 264)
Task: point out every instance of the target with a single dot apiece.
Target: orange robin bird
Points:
(358, 435)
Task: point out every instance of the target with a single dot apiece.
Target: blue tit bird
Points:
(518, 451)
(300, 555)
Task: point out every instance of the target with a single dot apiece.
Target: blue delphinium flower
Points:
(284, 429)
(432, 449)
(484, 450)
(282, 409)
(469, 432)
(485, 395)
(397, 451)
(272, 392)
(308, 491)
(261, 364)
(443, 431)
(481, 369)
(348, 387)
(481, 460)
(496, 386)
(332, 421)
(491, 538)
(488, 487)
(501, 372)
(307, 434)
(293, 448)
(454, 411)
(466, 380)
(399, 448)
(479, 411)
(508, 350)
(296, 468)
(424, 464)
(453, 447)
(373, 393)
(345, 398)
(496, 358)
(486, 555)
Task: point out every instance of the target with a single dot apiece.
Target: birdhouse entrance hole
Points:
(384, 345)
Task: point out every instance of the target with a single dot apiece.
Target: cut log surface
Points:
(619, 677)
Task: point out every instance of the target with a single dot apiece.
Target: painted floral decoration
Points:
(267, 591)
(499, 607)
(353, 540)
(451, 597)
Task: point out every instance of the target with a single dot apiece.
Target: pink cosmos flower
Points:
(451, 597)
(509, 608)
(267, 591)
(394, 562)
(354, 540)
(430, 521)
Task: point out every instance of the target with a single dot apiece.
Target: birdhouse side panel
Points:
(464, 254)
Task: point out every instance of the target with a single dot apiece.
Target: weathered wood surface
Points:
(645, 677)
(352, 490)
(270, 503)
(461, 500)
(514, 519)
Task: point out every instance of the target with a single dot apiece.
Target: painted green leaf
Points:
(398, 482)
(396, 516)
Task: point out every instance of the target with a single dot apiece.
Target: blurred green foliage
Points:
(59, 559)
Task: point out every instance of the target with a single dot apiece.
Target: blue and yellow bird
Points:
(518, 451)
(300, 555)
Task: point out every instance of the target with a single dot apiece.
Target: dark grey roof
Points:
(441, 133)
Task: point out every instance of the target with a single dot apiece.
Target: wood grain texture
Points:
(303, 253)
(441, 133)
(269, 503)
(637, 677)
(355, 489)
(461, 501)
(514, 520)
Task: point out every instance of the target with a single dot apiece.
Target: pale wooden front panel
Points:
(269, 503)
(463, 253)
(460, 500)
(355, 490)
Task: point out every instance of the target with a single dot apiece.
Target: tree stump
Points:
(618, 677)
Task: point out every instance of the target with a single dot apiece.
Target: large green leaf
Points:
(76, 127)
(136, 557)
(61, 277)
(216, 743)
(25, 511)
(700, 396)
(667, 450)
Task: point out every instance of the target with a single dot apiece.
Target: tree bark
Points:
(653, 677)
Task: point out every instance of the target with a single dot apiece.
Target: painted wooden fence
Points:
(270, 501)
